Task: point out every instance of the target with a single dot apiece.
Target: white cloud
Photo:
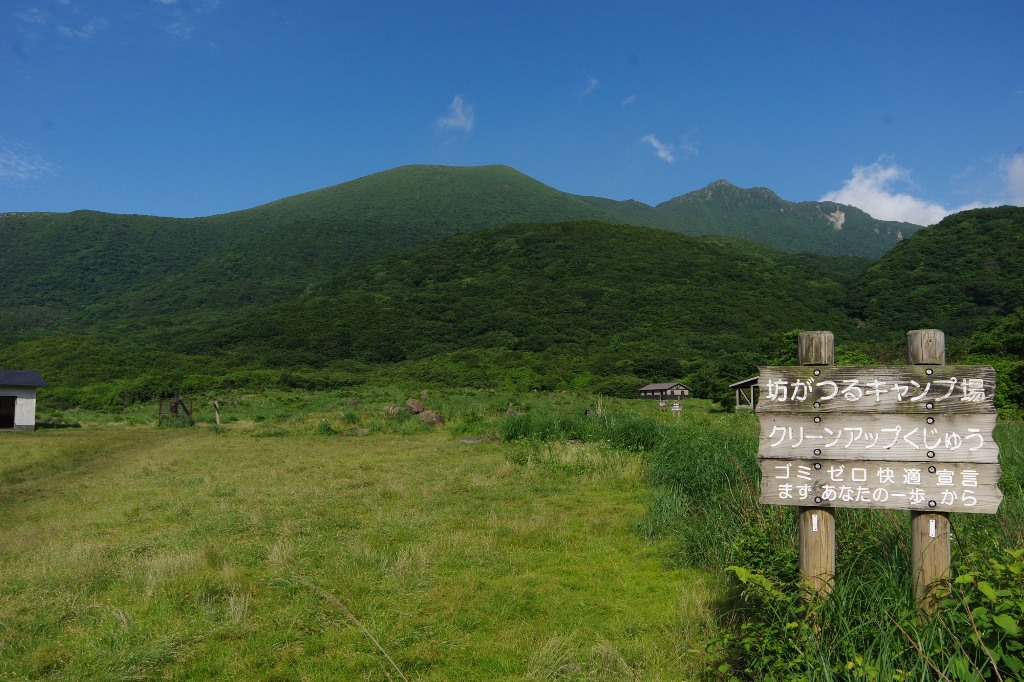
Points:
(19, 163)
(87, 32)
(185, 15)
(1014, 170)
(460, 116)
(591, 86)
(669, 152)
(662, 151)
(629, 101)
(33, 15)
(871, 189)
(688, 148)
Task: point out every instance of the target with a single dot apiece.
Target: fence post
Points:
(929, 541)
(817, 525)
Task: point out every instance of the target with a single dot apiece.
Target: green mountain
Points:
(760, 215)
(572, 304)
(53, 265)
(428, 202)
(74, 270)
(956, 275)
(483, 276)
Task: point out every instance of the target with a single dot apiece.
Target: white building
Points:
(18, 399)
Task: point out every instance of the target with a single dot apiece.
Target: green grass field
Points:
(266, 551)
(532, 537)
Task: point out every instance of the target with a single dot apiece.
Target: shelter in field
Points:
(746, 391)
(18, 398)
(669, 391)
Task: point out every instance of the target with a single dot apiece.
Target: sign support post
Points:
(817, 525)
(929, 539)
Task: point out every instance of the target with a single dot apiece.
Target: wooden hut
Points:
(668, 391)
(18, 399)
(746, 390)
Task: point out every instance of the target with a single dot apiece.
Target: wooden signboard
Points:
(915, 437)
(904, 389)
(874, 484)
(942, 438)
(902, 437)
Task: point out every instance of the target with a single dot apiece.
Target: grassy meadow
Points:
(534, 536)
(276, 547)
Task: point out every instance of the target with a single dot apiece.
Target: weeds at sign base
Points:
(984, 606)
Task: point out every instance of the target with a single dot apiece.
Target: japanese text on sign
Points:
(837, 435)
(902, 485)
(905, 389)
(908, 437)
(852, 390)
(918, 438)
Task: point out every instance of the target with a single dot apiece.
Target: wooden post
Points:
(929, 544)
(817, 525)
(216, 411)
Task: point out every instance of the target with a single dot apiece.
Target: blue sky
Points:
(907, 109)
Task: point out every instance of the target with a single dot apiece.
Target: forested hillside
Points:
(589, 305)
(54, 264)
(116, 309)
(54, 267)
(570, 291)
(956, 275)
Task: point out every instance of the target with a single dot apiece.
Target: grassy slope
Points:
(435, 200)
(138, 553)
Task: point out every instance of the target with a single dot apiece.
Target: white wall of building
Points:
(24, 405)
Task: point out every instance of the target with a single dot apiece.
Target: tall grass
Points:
(704, 479)
(869, 627)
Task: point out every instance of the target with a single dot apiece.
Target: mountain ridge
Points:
(809, 232)
(58, 264)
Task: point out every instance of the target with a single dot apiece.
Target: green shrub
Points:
(984, 610)
(324, 428)
(516, 427)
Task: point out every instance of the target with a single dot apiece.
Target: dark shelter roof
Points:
(20, 377)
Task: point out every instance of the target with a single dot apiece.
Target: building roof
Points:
(745, 383)
(663, 387)
(20, 377)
